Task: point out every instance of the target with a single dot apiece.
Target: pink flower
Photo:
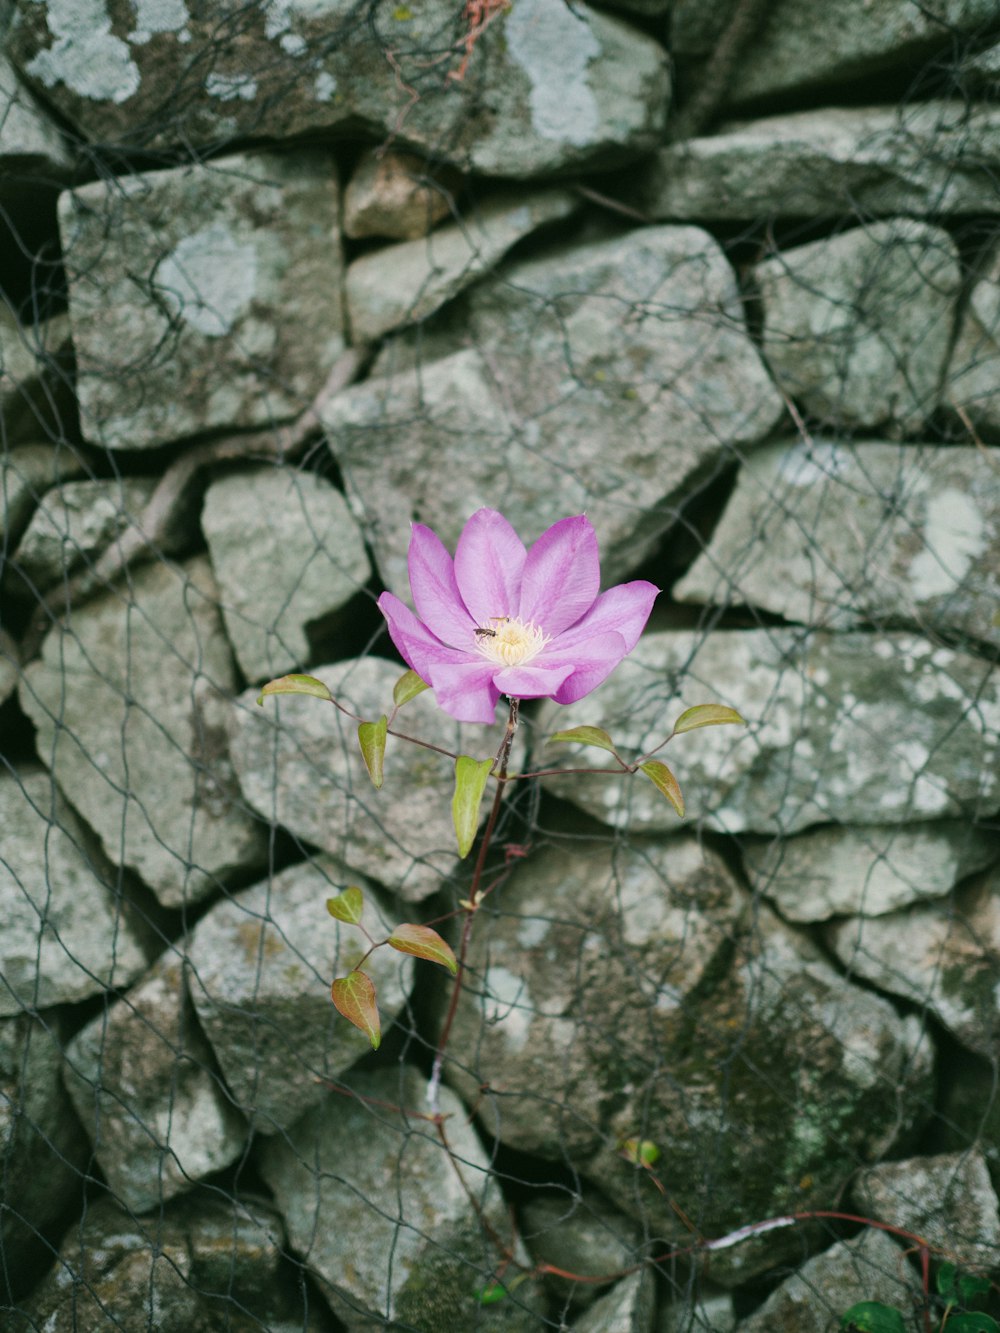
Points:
(502, 620)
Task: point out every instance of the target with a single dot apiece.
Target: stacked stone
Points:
(329, 269)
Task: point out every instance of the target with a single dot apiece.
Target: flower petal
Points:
(435, 592)
(465, 690)
(562, 575)
(489, 560)
(417, 646)
(590, 662)
(624, 609)
(532, 681)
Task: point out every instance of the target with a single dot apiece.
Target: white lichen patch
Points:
(563, 106)
(506, 1005)
(231, 87)
(809, 464)
(209, 280)
(954, 535)
(85, 56)
(532, 931)
(155, 16)
(324, 87)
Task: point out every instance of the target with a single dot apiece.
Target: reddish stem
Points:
(500, 766)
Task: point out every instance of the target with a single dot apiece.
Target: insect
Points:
(486, 631)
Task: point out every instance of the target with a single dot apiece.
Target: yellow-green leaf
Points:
(347, 906)
(642, 1152)
(706, 715)
(371, 736)
(586, 736)
(491, 1293)
(295, 685)
(354, 996)
(423, 942)
(471, 776)
(408, 687)
(662, 778)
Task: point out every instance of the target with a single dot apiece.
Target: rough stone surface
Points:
(405, 283)
(935, 157)
(397, 195)
(286, 553)
(298, 764)
(26, 472)
(139, 741)
(837, 534)
(74, 524)
(857, 327)
(868, 1267)
(749, 1048)
(144, 1084)
(34, 379)
(376, 1209)
(947, 1199)
(628, 1308)
(942, 956)
(841, 728)
(829, 871)
(203, 339)
(798, 48)
(67, 931)
(560, 366)
(193, 1267)
(42, 1147)
(580, 1233)
(285, 70)
(261, 967)
(30, 143)
(974, 373)
(710, 1310)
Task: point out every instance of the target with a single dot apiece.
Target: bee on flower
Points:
(503, 619)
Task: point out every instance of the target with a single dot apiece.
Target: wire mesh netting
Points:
(280, 280)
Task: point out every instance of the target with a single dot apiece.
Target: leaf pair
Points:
(874, 1317)
(371, 735)
(354, 995)
(701, 715)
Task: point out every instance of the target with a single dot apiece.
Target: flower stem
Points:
(500, 773)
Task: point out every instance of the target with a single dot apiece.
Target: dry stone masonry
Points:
(279, 279)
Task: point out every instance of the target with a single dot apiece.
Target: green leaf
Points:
(471, 776)
(970, 1286)
(972, 1323)
(586, 736)
(706, 715)
(945, 1278)
(347, 906)
(354, 996)
(662, 778)
(642, 1152)
(872, 1317)
(371, 736)
(295, 685)
(490, 1293)
(408, 687)
(423, 942)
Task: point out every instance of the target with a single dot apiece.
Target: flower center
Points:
(508, 641)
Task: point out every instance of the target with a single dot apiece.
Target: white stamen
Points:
(512, 643)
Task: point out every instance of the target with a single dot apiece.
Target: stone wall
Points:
(278, 279)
